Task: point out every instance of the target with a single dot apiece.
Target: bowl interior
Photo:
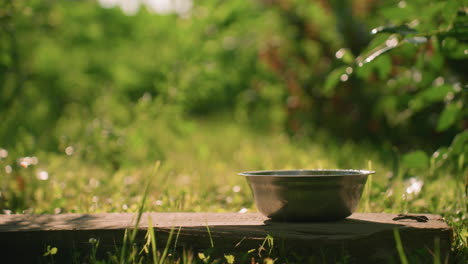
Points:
(306, 173)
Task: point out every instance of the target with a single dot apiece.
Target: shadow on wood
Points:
(362, 237)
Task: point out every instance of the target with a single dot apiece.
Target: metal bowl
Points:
(307, 195)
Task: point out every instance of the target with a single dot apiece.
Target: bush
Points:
(309, 65)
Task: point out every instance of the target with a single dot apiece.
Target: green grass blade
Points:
(368, 189)
(131, 239)
(176, 239)
(152, 240)
(209, 235)
(143, 200)
(437, 250)
(124, 247)
(166, 248)
(399, 246)
(268, 239)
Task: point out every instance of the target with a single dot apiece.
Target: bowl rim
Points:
(259, 173)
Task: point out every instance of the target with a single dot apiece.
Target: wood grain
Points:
(366, 237)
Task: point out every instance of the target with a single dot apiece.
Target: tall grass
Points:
(130, 240)
(399, 247)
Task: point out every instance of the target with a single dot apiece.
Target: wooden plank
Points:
(366, 237)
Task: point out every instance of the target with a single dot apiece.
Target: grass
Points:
(399, 246)
(199, 165)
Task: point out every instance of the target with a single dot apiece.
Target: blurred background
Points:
(115, 85)
(94, 92)
(69, 66)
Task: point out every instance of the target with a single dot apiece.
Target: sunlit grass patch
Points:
(199, 165)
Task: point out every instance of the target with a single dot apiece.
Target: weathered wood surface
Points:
(367, 237)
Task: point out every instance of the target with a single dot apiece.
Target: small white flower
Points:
(43, 175)
(3, 153)
(24, 164)
(69, 150)
(243, 210)
(28, 161)
(414, 186)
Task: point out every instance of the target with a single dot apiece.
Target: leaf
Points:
(448, 117)
(457, 32)
(53, 251)
(5, 59)
(416, 104)
(416, 160)
(390, 43)
(397, 13)
(202, 256)
(455, 49)
(345, 55)
(230, 259)
(333, 79)
(50, 251)
(348, 57)
(440, 155)
(460, 142)
(364, 71)
(383, 65)
(400, 29)
(459, 29)
(450, 10)
(429, 96)
(436, 93)
(416, 40)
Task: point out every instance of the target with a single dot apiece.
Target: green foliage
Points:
(416, 159)
(412, 69)
(300, 65)
(230, 259)
(89, 96)
(61, 60)
(50, 251)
